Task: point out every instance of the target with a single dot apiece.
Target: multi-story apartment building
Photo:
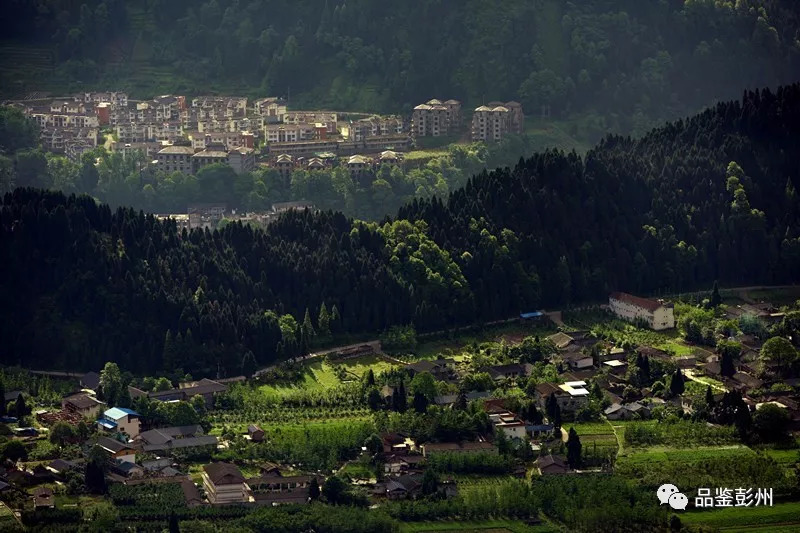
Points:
(168, 107)
(490, 123)
(375, 126)
(242, 159)
(279, 133)
(435, 118)
(75, 148)
(58, 139)
(211, 155)
(176, 158)
(219, 106)
(114, 98)
(326, 118)
(149, 149)
(272, 109)
(134, 133)
(229, 139)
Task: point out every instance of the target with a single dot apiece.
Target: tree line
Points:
(621, 66)
(705, 198)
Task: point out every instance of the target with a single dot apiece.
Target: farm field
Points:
(595, 435)
(785, 458)
(659, 454)
(449, 347)
(707, 466)
(320, 375)
(782, 517)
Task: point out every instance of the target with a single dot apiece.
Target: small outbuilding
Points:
(255, 432)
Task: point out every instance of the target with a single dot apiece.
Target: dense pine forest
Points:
(618, 65)
(710, 197)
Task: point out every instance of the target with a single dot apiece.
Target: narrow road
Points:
(616, 436)
(321, 353)
(689, 373)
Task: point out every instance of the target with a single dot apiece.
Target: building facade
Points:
(224, 483)
(659, 315)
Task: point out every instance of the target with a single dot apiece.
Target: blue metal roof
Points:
(108, 424)
(115, 413)
(534, 314)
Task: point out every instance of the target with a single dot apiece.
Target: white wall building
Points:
(224, 483)
(122, 420)
(657, 313)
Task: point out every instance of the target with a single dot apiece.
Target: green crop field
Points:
(780, 517)
(359, 366)
(320, 375)
(594, 435)
(666, 454)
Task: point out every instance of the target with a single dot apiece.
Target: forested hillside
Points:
(620, 65)
(711, 197)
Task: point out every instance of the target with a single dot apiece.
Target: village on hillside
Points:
(577, 392)
(175, 133)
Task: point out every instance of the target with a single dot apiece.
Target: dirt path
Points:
(689, 373)
(616, 435)
(376, 344)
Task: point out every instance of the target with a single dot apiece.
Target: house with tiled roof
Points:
(551, 464)
(224, 483)
(656, 313)
(82, 403)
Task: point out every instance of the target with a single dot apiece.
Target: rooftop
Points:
(185, 150)
(116, 413)
(223, 474)
(644, 303)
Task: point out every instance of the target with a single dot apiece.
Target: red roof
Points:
(650, 305)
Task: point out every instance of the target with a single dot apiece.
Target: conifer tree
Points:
(574, 448)
(324, 321)
(716, 298)
(710, 398)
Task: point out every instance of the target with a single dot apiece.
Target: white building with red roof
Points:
(657, 313)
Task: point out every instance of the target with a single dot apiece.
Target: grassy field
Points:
(785, 458)
(320, 375)
(357, 367)
(782, 517)
(484, 526)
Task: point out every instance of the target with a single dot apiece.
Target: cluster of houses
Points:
(176, 133)
(68, 126)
